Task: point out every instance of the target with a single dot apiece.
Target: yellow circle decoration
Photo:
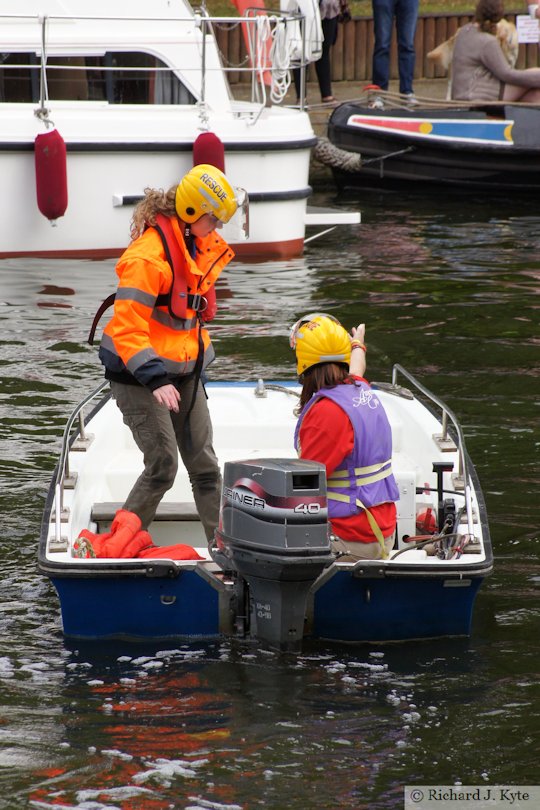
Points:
(508, 132)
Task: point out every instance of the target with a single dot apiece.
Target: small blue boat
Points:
(272, 575)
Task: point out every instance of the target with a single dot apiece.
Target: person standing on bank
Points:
(330, 11)
(155, 347)
(406, 15)
(343, 425)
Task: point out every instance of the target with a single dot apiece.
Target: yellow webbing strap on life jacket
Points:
(373, 473)
(375, 528)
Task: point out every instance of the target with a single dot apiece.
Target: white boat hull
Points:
(105, 179)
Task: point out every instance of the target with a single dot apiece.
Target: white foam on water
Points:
(114, 752)
(204, 804)
(7, 669)
(165, 770)
(115, 794)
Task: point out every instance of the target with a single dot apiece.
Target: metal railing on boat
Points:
(63, 463)
(447, 414)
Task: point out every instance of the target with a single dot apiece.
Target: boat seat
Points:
(171, 511)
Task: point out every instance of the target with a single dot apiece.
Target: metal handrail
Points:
(63, 462)
(200, 18)
(446, 415)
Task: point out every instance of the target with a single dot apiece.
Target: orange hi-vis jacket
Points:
(144, 341)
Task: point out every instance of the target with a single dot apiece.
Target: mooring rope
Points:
(325, 152)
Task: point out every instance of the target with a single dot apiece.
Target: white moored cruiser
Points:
(129, 87)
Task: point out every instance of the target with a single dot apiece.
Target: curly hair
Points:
(488, 13)
(324, 375)
(155, 201)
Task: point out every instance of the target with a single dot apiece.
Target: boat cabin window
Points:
(116, 77)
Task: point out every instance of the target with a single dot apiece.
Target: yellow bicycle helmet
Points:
(205, 190)
(319, 338)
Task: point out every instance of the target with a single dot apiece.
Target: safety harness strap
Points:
(375, 528)
(108, 302)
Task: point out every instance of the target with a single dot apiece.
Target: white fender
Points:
(309, 9)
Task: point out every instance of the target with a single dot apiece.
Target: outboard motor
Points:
(273, 532)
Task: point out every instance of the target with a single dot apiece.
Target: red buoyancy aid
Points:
(178, 299)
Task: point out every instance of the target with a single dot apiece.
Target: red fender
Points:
(51, 174)
(208, 148)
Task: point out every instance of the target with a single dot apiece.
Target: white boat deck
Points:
(251, 427)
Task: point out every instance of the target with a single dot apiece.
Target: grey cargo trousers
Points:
(159, 434)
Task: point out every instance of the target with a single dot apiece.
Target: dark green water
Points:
(448, 288)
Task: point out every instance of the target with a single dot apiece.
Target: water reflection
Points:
(218, 725)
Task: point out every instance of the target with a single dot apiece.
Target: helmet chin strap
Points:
(189, 240)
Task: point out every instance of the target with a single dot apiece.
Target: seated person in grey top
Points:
(480, 71)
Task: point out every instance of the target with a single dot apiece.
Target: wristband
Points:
(355, 344)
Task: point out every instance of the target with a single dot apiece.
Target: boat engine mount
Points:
(273, 533)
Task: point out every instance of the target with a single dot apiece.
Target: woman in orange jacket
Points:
(155, 347)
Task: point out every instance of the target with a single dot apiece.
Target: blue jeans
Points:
(406, 14)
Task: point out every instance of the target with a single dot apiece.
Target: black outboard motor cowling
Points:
(273, 532)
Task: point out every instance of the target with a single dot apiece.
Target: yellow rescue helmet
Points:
(319, 338)
(205, 190)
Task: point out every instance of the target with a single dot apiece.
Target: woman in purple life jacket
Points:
(343, 425)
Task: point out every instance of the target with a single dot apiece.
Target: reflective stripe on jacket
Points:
(143, 337)
(364, 477)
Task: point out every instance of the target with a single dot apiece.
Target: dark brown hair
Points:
(324, 375)
(488, 13)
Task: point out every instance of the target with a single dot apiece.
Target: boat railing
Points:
(68, 439)
(277, 42)
(447, 416)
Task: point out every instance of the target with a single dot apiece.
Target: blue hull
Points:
(349, 609)
(138, 608)
(344, 609)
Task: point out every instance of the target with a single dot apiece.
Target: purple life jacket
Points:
(364, 478)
